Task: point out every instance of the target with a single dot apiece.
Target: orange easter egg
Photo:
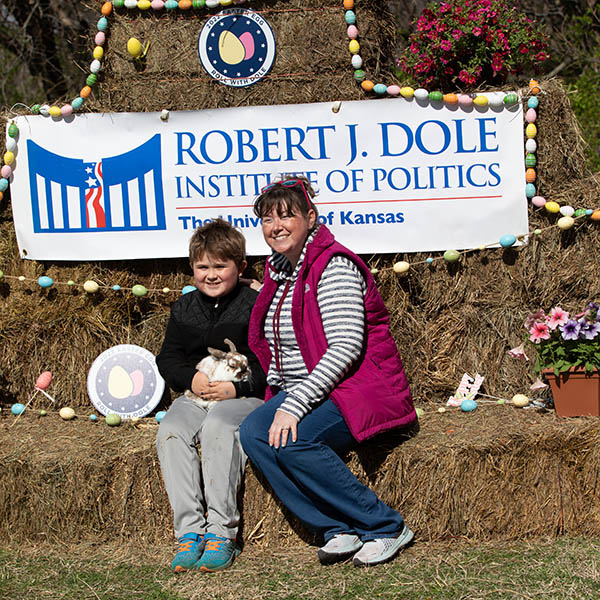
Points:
(450, 98)
(534, 87)
(107, 8)
(185, 4)
(595, 216)
(367, 85)
(85, 91)
(530, 175)
(348, 4)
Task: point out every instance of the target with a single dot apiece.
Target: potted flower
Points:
(568, 354)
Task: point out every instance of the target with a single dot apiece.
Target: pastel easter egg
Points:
(113, 419)
(520, 400)
(118, 3)
(436, 96)
(348, 4)
(531, 130)
(43, 413)
(359, 75)
(480, 100)
(166, 290)
(580, 212)
(567, 211)
(357, 61)
(441, 410)
(66, 413)
(595, 216)
(531, 145)
(66, 110)
(93, 418)
(160, 415)
(172, 4)
(565, 223)
(231, 49)
(45, 282)
(531, 115)
(248, 42)
(451, 256)
(380, 89)
(187, 289)
(3, 184)
(134, 47)
(407, 92)
(496, 99)
(17, 408)
(157, 4)
(450, 98)
(106, 9)
(85, 91)
(116, 287)
(401, 267)
(144, 4)
(9, 157)
(102, 24)
(13, 130)
(393, 90)
(54, 111)
(533, 102)
(534, 87)
(350, 17)
(91, 79)
(419, 411)
(530, 190)
(508, 240)
(212, 3)
(353, 46)
(11, 143)
(421, 94)
(510, 99)
(552, 207)
(100, 38)
(530, 175)
(95, 66)
(6, 171)
(468, 405)
(90, 286)
(352, 32)
(137, 378)
(367, 85)
(429, 260)
(43, 381)
(465, 100)
(222, 2)
(530, 160)
(77, 103)
(98, 53)
(120, 385)
(130, 3)
(538, 201)
(139, 290)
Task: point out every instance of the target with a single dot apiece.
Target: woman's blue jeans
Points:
(309, 477)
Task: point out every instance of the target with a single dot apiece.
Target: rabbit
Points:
(221, 366)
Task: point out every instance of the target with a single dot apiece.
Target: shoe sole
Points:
(330, 558)
(404, 540)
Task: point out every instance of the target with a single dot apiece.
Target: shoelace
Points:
(214, 545)
(185, 545)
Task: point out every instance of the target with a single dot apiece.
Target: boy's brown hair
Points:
(218, 239)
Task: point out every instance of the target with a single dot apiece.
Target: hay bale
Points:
(499, 473)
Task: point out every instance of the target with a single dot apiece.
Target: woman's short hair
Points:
(291, 194)
(219, 239)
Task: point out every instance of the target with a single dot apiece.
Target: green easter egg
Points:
(451, 256)
(580, 212)
(91, 79)
(139, 290)
(35, 109)
(13, 130)
(530, 160)
(436, 96)
(113, 420)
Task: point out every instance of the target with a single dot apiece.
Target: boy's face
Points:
(216, 277)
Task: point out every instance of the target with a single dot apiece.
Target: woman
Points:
(321, 331)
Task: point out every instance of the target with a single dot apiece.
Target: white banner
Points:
(392, 176)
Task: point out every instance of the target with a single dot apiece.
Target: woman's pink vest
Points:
(374, 395)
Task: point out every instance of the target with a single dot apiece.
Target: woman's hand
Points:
(252, 283)
(283, 423)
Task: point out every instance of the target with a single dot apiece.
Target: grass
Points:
(561, 569)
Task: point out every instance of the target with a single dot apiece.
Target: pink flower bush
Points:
(478, 41)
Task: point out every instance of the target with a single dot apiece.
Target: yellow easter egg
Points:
(552, 207)
(480, 100)
(98, 52)
(54, 111)
(407, 92)
(232, 50)
(531, 130)
(565, 222)
(9, 157)
(134, 47)
(66, 413)
(120, 384)
(520, 400)
(354, 46)
(144, 4)
(401, 267)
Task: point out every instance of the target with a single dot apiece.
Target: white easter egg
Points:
(520, 400)
(421, 94)
(357, 61)
(531, 145)
(567, 211)
(95, 66)
(66, 413)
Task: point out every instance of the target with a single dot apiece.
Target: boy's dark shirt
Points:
(198, 321)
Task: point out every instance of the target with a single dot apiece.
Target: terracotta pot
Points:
(576, 393)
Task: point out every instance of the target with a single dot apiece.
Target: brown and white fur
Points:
(221, 366)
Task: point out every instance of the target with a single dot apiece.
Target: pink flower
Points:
(539, 332)
(538, 384)
(532, 318)
(557, 317)
(446, 45)
(519, 352)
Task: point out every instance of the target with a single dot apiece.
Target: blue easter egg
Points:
(468, 405)
(429, 260)
(530, 190)
(532, 102)
(77, 103)
(116, 287)
(160, 415)
(93, 417)
(17, 408)
(380, 88)
(350, 17)
(588, 211)
(103, 24)
(506, 241)
(45, 281)
(3, 184)
(187, 289)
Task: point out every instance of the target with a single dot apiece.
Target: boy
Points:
(203, 492)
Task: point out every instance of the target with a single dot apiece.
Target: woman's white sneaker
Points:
(381, 550)
(339, 547)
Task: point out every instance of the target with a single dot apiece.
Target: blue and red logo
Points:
(237, 47)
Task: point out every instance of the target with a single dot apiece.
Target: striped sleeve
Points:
(340, 295)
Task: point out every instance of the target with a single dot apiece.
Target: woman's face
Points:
(287, 233)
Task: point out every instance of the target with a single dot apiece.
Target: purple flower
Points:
(589, 331)
(570, 330)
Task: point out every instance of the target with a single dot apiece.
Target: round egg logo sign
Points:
(125, 380)
(237, 47)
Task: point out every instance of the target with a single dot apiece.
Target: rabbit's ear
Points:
(216, 353)
(231, 345)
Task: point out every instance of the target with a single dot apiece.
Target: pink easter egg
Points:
(66, 110)
(538, 201)
(248, 42)
(6, 171)
(531, 115)
(393, 90)
(137, 378)
(43, 380)
(352, 32)
(157, 4)
(100, 38)
(465, 100)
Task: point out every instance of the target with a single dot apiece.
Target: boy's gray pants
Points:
(203, 491)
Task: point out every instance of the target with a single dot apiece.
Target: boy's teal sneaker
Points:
(189, 551)
(219, 553)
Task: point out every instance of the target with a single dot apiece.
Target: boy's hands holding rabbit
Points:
(212, 390)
